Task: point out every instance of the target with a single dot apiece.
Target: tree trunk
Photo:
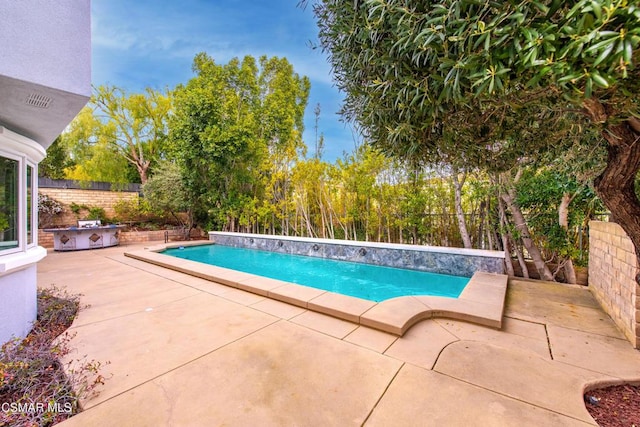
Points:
(563, 220)
(520, 256)
(521, 226)
(143, 176)
(480, 234)
(508, 262)
(462, 224)
(504, 234)
(323, 219)
(616, 184)
(510, 241)
(489, 228)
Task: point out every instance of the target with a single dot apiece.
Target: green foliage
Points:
(165, 191)
(367, 196)
(95, 212)
(540, 193)
(76, 208)
(89, 212)
(487, 82)
(118, 137)
(4, 222)
(134, 210)
(88, 143)
(53, 166)
(495, 84)
(136, 124)
(229, 121)
(429, 56)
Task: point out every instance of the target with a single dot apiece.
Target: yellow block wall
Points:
(150, 236)
(91, 198)
(612, 271)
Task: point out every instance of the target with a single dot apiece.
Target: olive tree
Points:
(414, 71)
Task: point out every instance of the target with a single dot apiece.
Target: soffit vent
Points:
(38, 100)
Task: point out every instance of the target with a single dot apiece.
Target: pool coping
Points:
(481, 302)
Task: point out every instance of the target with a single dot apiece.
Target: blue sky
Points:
(151, 43)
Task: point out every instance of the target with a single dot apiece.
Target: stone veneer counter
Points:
(434, 259)
(80, 238)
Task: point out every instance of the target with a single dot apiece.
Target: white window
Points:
(9, 203)
(19, 157)
(18, 203)
(31, 204)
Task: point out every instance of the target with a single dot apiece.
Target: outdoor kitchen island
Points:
(87, 235)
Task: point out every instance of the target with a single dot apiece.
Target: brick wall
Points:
(91, 198)
(612, 271)
(45, 239)
(150, 236)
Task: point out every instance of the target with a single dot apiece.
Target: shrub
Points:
(89, 212)
(97, 213)
(48, 208)
(133, 210)
(76, 208)
(166, 192)
(141, 214)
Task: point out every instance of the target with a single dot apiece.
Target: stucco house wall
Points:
(45, 80)
(18, 307)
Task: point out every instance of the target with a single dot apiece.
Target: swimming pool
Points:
(370, 282)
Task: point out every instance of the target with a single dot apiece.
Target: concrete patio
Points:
(184, 351)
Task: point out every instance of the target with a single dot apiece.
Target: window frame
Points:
(26, 152)
(20, 203)
(31, 207)
(23, 207)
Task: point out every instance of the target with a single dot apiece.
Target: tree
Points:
(509, 196)
(408, 68)
(91, 155)
(136, 124)
(212, 130)
(282, 102)
(165, 192)
(559, 202)
(359, 173)
(235, 131)
(458, 179)
(56, 162)
(319, 139)
(557, 206)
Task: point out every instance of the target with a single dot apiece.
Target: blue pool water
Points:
(371, 282)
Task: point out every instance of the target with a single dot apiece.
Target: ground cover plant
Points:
(615, 406)
(34, 389)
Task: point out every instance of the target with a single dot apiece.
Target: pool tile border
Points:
(481, 302)
(434, 259)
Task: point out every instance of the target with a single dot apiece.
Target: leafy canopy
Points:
(136, 125)
(408, 66)
(230, 122)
